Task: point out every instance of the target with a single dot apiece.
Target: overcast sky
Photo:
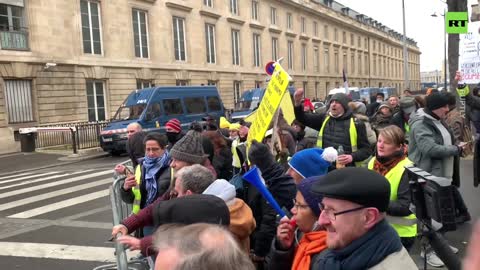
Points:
(426, 30)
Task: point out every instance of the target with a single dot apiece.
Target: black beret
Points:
(196, 208)
(358, 185)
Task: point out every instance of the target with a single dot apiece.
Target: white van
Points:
(354, 93)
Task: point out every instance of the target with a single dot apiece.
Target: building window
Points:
(352, 39)
(375, 65)
(140, 33)
(273, 15)
(236, 91)
(366, 64)
(181, 83)
(326, 60)
(208, 3)
(91, 27)
(289, 21)
(290, 54)
(344, 37)
(317, 85)
(315, 29)
(316, 59)
(304, 85)
(345, 64)
(352, 62)
(374, 45)
(236, 47)
(210, 42)
(13, 34)
(256, 50)
(144, 84)
(337, 60)
(366, 43)
(179, 38)
(304, 57)
(18, 101)
(303, 25)
(359, 63)
(325, 31)
(234, 7)
(258, 84)
(335, 34)
(274, 49)
(255, 10)
(359, 42)
(95, 101)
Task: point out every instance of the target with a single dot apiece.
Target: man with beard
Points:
(338, 128)
(173, 129)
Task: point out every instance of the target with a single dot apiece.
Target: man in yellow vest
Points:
(337, 127)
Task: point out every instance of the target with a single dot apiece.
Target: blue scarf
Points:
(152, 166)
(365, 252)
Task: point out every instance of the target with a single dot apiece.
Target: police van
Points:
(153, 107)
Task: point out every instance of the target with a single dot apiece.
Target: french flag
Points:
(345, 82)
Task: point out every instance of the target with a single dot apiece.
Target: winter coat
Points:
(400, 260)
(135, 147)
(371, 136)
(163, 177)
(399, 121)
(380, 121)
(283, 190)
(222, 162)
(456, 123)
(372, 108)
(427, 148)
(336, 132)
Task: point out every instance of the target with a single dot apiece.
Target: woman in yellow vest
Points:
(389, 161)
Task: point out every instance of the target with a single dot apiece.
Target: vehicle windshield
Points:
(129, 113)
(243, 105)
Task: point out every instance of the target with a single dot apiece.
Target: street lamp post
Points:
(444, 46)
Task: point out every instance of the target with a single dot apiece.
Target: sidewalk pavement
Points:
(42, 159)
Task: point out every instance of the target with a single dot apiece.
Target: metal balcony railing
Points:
(14, 40)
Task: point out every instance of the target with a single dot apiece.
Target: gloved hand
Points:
(259, 154)
(463, 92)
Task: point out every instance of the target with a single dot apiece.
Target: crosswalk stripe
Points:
(25, 177)
(52, 194)
(57, 251)
(16, 175)
(66, 181)
(42, 179)
(59, 205)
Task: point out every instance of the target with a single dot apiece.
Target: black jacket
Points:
(163, 183)
(336, 132)
(398, 120)
(283, 189)
(135, 147)
(222, 162)
(372, 108)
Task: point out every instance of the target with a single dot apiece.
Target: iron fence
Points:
(78, 135)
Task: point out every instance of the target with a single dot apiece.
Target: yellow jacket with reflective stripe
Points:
(137, 195)
(353, 136)
(405, 226)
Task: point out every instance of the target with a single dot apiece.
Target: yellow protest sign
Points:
(287, 109)
(268, 106)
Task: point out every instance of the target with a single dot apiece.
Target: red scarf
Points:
(384, 165)
(310, 244)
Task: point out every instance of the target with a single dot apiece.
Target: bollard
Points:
(74, 141)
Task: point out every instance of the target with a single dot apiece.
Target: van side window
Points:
(153, 111)
(195, 105)
(172, 106)
(214, 104)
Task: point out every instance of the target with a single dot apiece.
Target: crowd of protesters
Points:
(339, 174)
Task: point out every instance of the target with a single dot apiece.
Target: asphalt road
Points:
(60, 217)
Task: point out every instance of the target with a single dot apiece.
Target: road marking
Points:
(21, 174)
(52, 194)
(42, 179)
(25, 177)
(66, 181)
(56, 251)
(59, 205)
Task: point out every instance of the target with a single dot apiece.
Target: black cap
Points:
(436, 100)
(342, 99)
(358, 185)
(196, 208)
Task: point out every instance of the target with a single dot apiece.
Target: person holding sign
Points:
(337, 127)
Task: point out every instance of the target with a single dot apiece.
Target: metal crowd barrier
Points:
(120, 211)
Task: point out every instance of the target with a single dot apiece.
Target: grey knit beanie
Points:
(189, 148)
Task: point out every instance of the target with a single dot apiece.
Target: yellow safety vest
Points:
(137, 195)
(353, 137)
(405, 226)
(236, 158)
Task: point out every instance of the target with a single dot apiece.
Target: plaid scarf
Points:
(383, 165)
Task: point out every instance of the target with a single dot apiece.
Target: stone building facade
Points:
(77, 60)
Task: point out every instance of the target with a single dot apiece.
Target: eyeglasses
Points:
(298, 205)
(332, 216)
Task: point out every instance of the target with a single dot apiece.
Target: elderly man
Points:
(198, 246)
(338, 128)
(353, 213)
(135, 148)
